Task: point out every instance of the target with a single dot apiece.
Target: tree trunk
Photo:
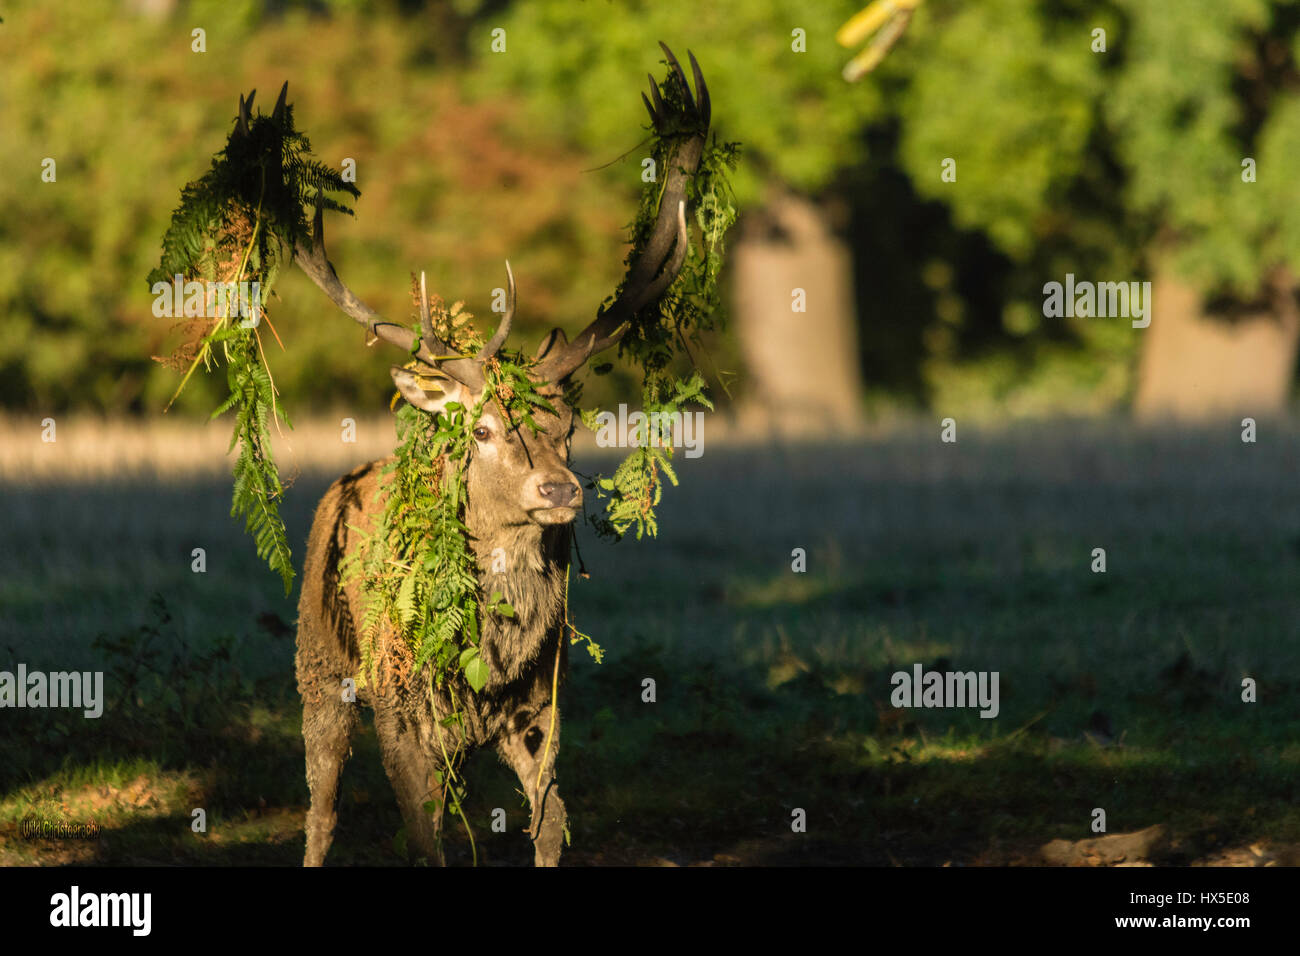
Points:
(1196, 365)
(804, 375)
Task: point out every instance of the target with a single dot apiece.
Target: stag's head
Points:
(521, 472)
(525, 474)
(515, 475)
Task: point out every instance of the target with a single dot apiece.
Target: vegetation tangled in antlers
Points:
(240, 220)
(234, 225)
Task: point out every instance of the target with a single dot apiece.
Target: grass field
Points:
(1119, 691)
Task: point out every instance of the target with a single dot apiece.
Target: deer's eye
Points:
(481, 433)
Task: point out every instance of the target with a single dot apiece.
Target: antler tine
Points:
(277, 114)
(503, 328)
(701, 91)
(660, 109)
(681, 76)
(426, 321)
(241, 119)
(654, 118)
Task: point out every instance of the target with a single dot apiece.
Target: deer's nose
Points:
(558, 493)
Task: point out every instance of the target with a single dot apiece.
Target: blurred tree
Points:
(1117, 163)
(1186, 112)
(447, 184)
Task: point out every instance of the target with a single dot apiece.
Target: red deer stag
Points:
(522, 499)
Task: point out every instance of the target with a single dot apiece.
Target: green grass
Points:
(772, 687)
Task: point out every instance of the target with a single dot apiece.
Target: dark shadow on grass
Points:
(975, 562)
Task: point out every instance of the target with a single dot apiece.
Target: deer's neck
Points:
(527, 564)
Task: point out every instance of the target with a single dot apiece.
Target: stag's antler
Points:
(493, 345)
(661, 259)
(432, 351)
(647, 278)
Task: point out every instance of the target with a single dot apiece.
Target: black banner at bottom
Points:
(333, 905)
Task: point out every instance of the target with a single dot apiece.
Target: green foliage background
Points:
(1068, 160)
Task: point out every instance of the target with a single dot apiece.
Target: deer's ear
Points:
(554, 337)
(429, 392)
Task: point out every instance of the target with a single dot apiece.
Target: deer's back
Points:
(329, 617)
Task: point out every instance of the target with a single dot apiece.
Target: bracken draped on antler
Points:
(659, 262)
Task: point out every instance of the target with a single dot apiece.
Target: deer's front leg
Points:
(524, 748)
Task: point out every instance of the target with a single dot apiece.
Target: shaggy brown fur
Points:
(522, 498)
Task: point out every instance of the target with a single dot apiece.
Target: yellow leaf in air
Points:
(865, 22)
